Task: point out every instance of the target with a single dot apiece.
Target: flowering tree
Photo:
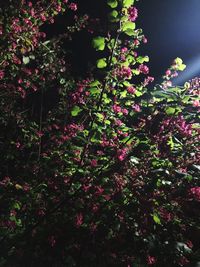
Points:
(100, 170)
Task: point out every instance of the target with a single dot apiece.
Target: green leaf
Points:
(126, 83)
(98, 43)
(128, 3)
(75, 111)
(94, 91)
(26, 60)
(136, 72)
(170, 142)
(182, 67)
(114, 14)
(141, 59)
(62, 81)
(101, 63)
(178, 61)
(180, 64)
(112, 3)
(108, 122)
(123, 93)
(17, 206)
(129, 32)
(156, 219)
(170, 111)
(128, 25)
(100, 117)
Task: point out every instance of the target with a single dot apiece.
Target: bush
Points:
(98, 170)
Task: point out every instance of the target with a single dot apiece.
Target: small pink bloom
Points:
(121, 154)
(99, 191)
(73, 6)
(79, 220)
(40, 134)
(133, 13)
(151, 260)
(131, 89)
(124, 49)
(52, 241)
(144, 40)
(1, 74)
(116, 108)
(18, 145)
(143, 69)
(168, 72)
(195, 193)
(136, 42)
(136, 108)
(183, 261)
(93, 162)
(196, 103)
(189, 244)
(125, 111)
(43, 17)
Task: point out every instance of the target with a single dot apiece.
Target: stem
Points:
(40, 127)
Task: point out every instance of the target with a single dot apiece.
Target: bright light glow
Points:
(192, 70)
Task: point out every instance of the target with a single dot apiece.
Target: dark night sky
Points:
(173, 30)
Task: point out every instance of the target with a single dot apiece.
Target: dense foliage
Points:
(98, 170)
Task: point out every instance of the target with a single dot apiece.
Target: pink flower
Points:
(143, 69)
(144, 40)
(1, 74)
(131, 89)
(118, 122)
(121, 154)
(167, 216)
(52, 241)
(183, 261)
(151, 260)
(124, 49)
(166, 84)
(148, 80)
(195, 193)
(116, 108)
(1, 30)
(125, 111)
(168, 72)
(43, 17)
(136, 42)
(18, 145)
(93, 162)
(189, 244)
(133, 13)
(99, 191)
(123, 72)
(196, 103)
(136, 108)
(73, 6)
(79, 220)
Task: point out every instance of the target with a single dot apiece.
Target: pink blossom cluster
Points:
(79, 96)
(195, 193)
(72, 129)
(121, 154)
(123, 72)
(148, 80)
(167, 216)
(132, 13)
(143, 69)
